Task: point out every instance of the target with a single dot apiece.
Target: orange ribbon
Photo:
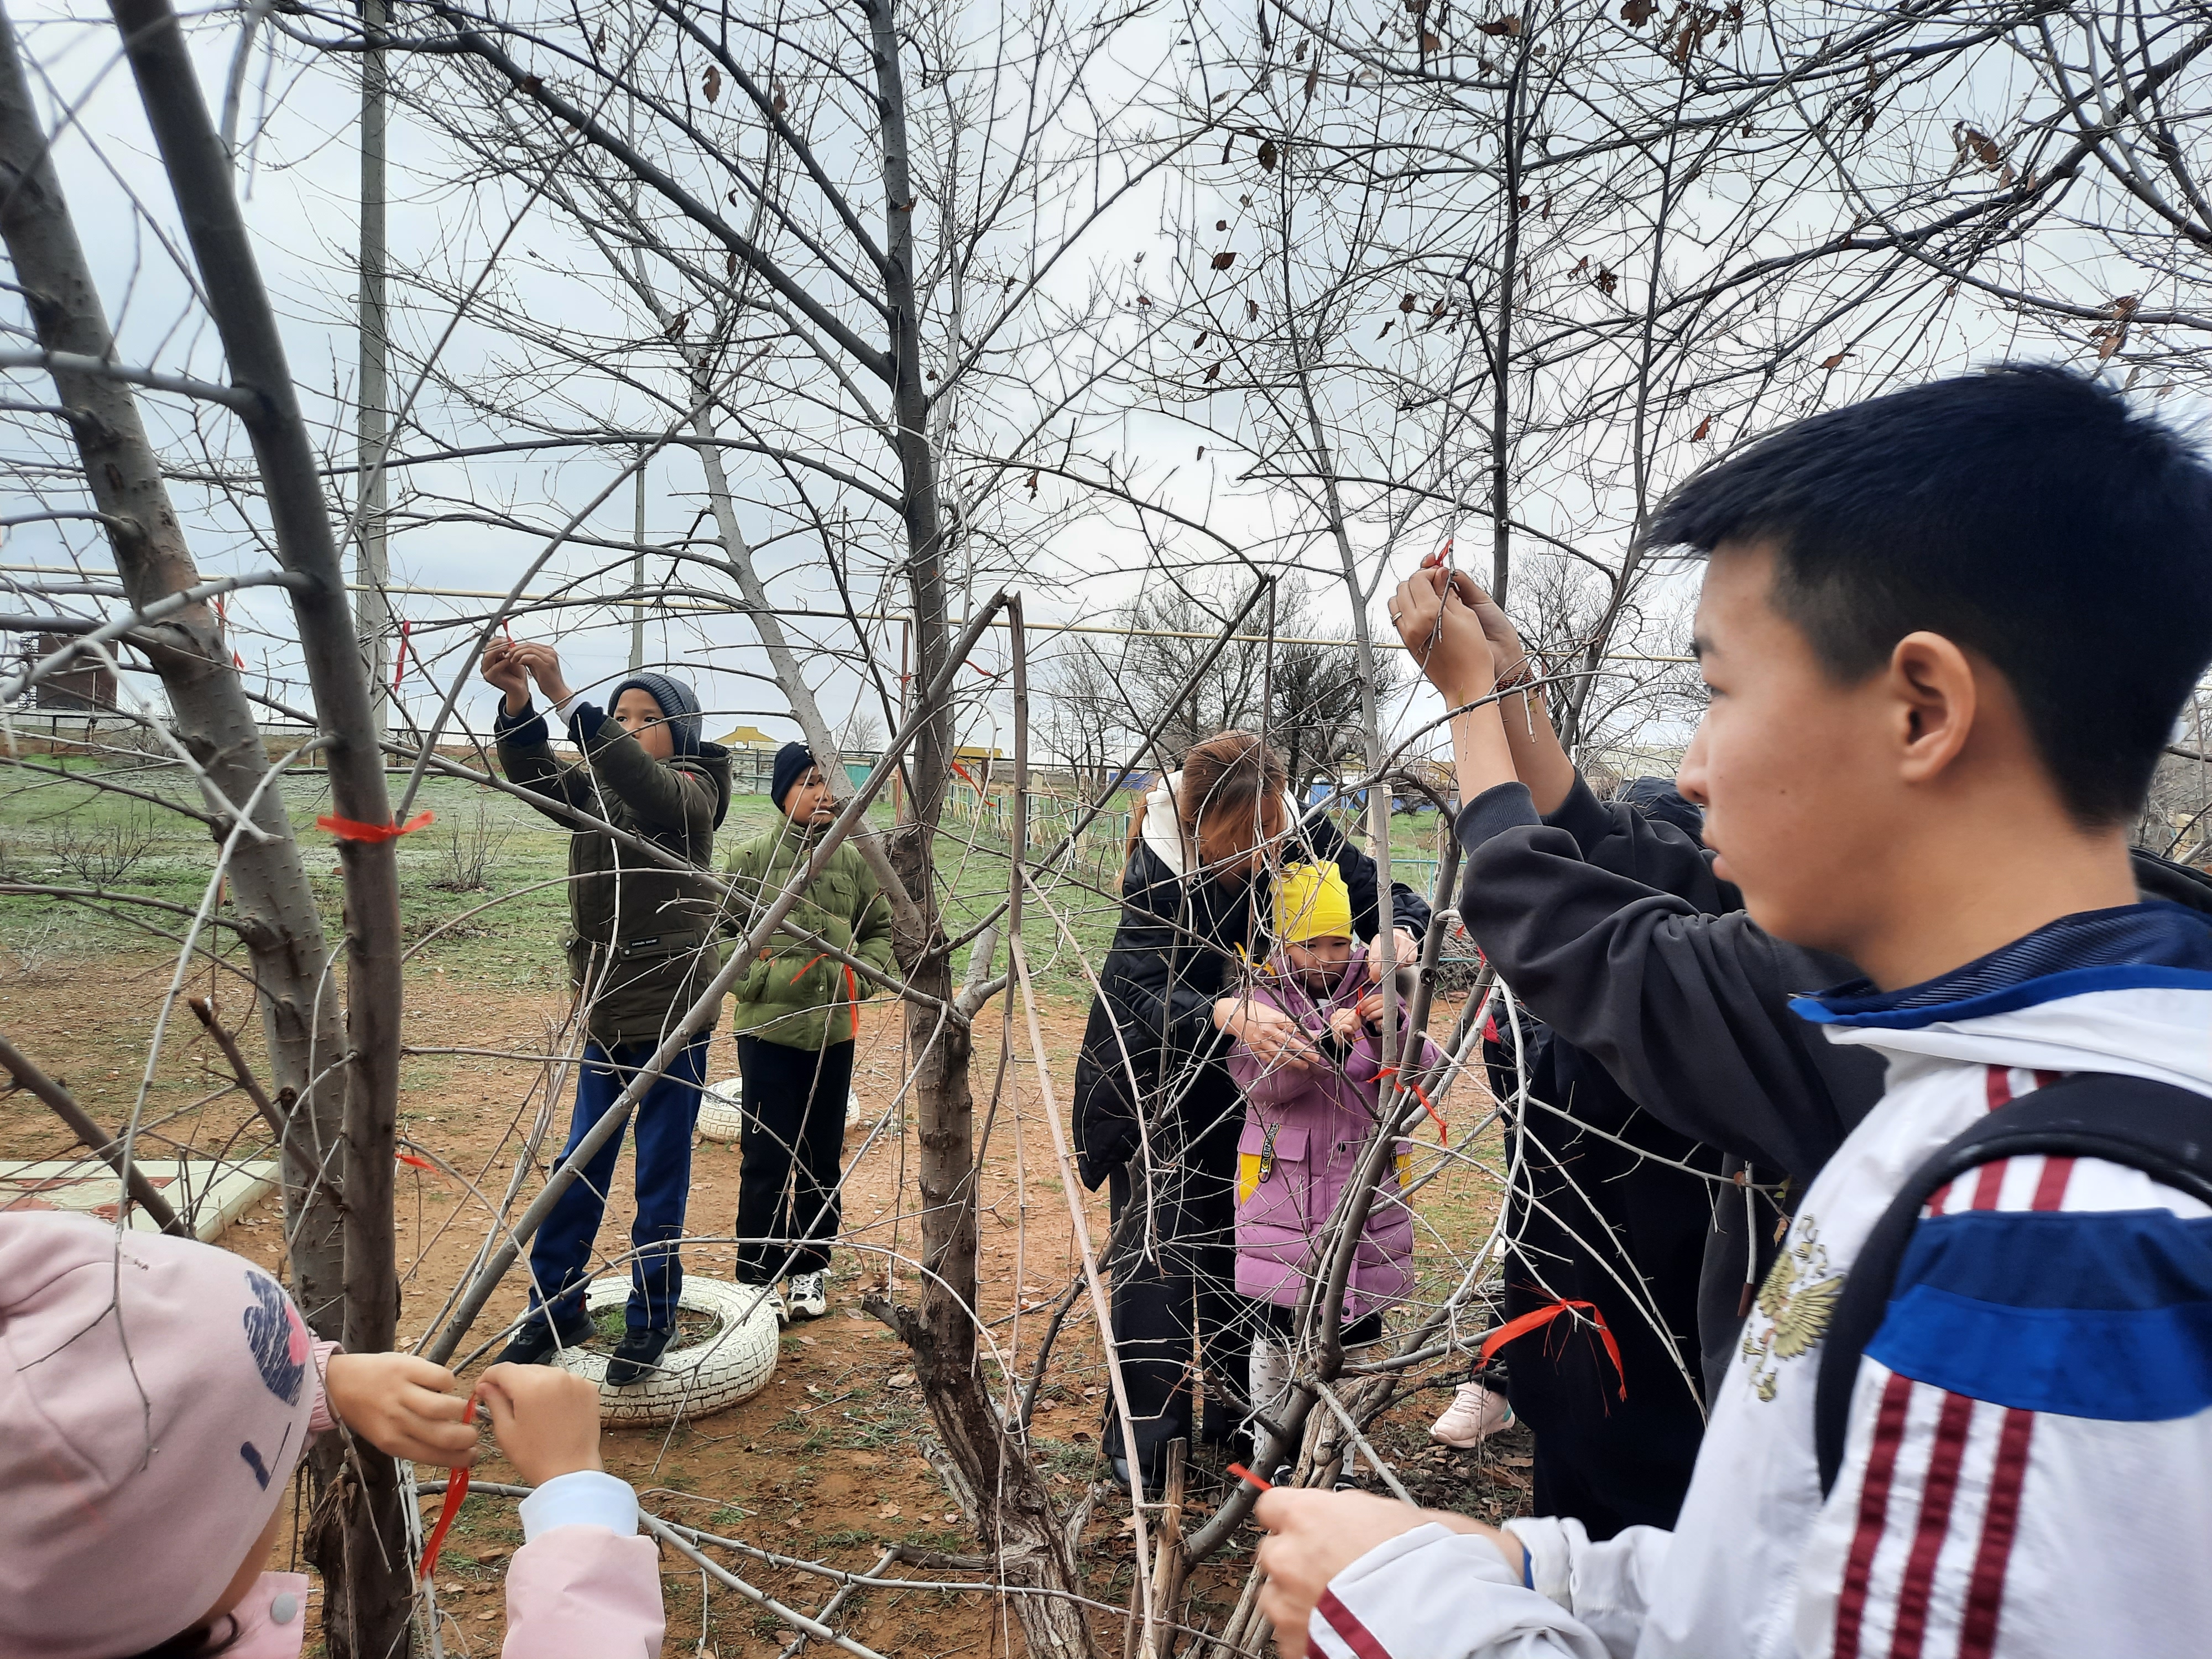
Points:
(413, 1162)
(1243, 1473)
(1528, 1321)
(352, 829)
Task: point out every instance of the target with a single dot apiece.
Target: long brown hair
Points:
(1231, 775)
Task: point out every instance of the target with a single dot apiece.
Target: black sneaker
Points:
(637, 1356)
(535, 1343)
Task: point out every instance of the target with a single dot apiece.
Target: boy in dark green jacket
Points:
(638, 956)
(794, 1014)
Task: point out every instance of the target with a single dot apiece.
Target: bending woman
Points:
(1157, 1114)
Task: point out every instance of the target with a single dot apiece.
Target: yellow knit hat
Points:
(1312, 902)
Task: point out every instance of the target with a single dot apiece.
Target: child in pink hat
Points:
(157, 1393)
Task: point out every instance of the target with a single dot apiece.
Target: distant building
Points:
(84, 690)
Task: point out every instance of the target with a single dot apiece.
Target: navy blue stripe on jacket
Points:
(2105, 1315)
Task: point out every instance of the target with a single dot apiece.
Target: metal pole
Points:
(637, 580)
(373, 620)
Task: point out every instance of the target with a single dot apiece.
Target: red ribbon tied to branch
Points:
(1528, 1321)
(457, 1492)
(353, 830)
(1443, 1135)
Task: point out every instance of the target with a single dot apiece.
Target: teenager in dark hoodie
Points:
(638, 957)
(1612, 1208)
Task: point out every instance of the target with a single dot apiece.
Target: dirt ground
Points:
(825, 1462)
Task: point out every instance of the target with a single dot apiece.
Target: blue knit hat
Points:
(678, 707)
(791, 763)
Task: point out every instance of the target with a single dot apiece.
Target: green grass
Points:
(62, 832)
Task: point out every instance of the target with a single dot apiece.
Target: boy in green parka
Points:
(795, 1011)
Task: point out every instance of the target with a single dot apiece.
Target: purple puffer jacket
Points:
(1302, 1133)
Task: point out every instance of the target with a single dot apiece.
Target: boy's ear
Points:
(1937, 699)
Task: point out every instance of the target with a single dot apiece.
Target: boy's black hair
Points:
(2023, 513)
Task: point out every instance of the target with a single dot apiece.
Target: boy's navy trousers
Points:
(560, 1260)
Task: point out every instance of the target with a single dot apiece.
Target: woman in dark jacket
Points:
(1157, 1116)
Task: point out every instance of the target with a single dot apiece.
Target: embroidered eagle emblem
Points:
(1799, 1300)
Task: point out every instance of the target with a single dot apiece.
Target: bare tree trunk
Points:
(362, 1552)
(270, 895)
(1014, 1509)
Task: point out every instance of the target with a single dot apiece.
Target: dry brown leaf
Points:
(1251, 311)
(1313, 77)
(1430, 42)
(1704, 427)
(1835, 361)
(1509, 25)
(1408, 302)
(1636, 13)
(712, 83)
(1268, 155)
(1224, 259)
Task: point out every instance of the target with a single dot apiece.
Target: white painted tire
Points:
(732, 1365)
(722, 1109)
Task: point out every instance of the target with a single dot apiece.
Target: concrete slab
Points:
(210, 1195)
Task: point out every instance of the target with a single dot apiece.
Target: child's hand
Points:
(402, 1405)
(544, 663)
(1405, 952)
(1273, 1036)
(503, 669)
(1346, 1022)
(1442, 631)
(547, 1420)
(1368, 1009)
(1506, 651)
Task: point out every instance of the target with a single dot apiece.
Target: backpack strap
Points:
(2162, 1130)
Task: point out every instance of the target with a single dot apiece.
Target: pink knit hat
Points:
(155, 1394)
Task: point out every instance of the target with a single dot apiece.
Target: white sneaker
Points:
(807, 1297)
(774, 1300)
(1475, 1414)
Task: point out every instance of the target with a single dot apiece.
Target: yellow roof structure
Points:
(748, 737)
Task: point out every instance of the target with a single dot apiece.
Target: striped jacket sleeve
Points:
(2025, 1474)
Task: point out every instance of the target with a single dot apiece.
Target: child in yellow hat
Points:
(1305, 1122)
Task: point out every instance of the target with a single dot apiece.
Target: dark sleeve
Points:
(1408, 909)
(1689, 1012)
(1620, 839)
(1159, 980)
(667, 795)
(525, 755)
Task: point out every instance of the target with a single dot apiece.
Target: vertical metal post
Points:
(637, 579)
(373, 614)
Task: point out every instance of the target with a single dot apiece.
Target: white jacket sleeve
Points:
(1436, 1594)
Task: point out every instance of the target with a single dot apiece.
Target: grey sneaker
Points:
(806, 1295)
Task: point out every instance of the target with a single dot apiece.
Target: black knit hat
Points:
(679, 709)
(1656, 797)
(791, 763)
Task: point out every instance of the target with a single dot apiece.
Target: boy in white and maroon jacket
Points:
(1947, 634)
